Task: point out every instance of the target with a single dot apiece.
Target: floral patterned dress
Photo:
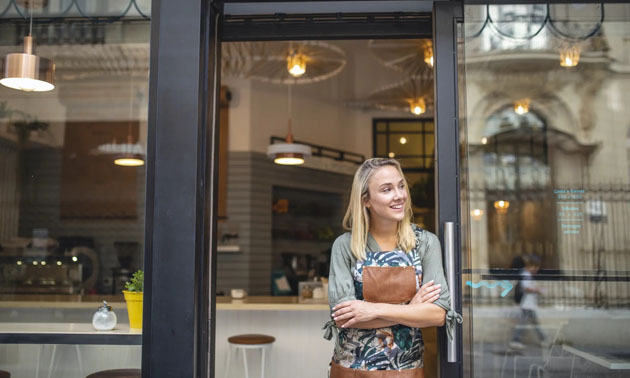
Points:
(390, 348)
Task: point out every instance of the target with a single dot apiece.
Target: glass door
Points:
(544, 131)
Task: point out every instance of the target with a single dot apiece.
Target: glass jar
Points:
(104, 318)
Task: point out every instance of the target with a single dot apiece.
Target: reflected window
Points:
(411, 142)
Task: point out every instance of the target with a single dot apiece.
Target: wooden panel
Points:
(92, 186)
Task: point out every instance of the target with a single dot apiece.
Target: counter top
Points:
(67, 333)
(269, 303)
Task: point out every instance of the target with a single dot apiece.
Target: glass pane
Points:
(381, 145)
(72, 214)
(545, 189)
(381, 126)
(404, 126)
(407, 144)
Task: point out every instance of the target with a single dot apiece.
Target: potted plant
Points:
(133, 297)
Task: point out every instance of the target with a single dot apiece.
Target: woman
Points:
(386, 280)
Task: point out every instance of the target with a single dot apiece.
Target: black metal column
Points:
(180, 184)
(445, 16)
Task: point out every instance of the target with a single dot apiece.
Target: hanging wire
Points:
(594, 31)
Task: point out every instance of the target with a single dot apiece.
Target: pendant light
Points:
(522, 106)
(27, 71)
(570, 56)
(417, 106)
(288, 153)
(131, 153)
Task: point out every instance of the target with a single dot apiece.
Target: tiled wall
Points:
(251, 178)
(39, 208)
(9, 196)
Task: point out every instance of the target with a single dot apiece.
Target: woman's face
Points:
(387, 194)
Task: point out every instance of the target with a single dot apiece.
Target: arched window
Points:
(515, 151)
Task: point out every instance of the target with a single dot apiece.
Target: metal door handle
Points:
(449, 252)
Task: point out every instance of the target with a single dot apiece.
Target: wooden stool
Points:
(116, 373)
(5, 374)
(244, 342)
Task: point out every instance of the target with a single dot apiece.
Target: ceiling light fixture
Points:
(476, 214)
(288, 153)
(131, 153)
(296, 64)
(403, 140)
(570, 56)
(522, 106)
(501, 206)
(27, 71)
(417, 106)
(428, 53)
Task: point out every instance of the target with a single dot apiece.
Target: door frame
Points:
(181, 201)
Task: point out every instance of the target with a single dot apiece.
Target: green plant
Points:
(137, 282)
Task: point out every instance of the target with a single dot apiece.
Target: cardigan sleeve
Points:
(432, 269)
(340, 282)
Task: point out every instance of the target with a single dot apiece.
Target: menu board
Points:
(570, 207)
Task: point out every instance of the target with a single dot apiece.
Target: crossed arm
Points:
(420, 312)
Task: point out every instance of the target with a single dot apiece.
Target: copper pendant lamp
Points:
(26, 71)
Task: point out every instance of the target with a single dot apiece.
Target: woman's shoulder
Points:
(424, 239)
(422, 233)
(342, 242)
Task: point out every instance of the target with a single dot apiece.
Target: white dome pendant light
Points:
(27, 71)
(288, 153)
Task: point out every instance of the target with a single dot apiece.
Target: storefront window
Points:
(545, 186)
(72, 210)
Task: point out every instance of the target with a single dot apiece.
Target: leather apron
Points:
(393, 285)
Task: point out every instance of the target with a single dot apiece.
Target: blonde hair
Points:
(357, 218)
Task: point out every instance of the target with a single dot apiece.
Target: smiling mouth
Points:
(397, 207)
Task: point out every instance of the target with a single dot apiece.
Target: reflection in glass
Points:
(71, 220)
(546, 189)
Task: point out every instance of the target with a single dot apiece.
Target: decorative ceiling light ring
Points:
(494, 26)
(411, 56)
(588, 35)
(324, 61)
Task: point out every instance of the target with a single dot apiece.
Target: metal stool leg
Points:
(262, 363)
(228, 359)
(245, 360)
(52, 361)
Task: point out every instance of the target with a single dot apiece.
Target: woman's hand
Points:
(351, 312)
(428, 293)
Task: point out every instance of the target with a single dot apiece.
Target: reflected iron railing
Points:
(589, 268)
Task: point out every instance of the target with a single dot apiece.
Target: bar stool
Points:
(116, 373)
(245, 342)
(5, 374)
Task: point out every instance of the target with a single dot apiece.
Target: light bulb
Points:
(418, 106)
(403, 140)
(569, 57)
(296, 64)
(522, 106)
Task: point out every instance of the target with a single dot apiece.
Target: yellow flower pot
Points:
(134, 308)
